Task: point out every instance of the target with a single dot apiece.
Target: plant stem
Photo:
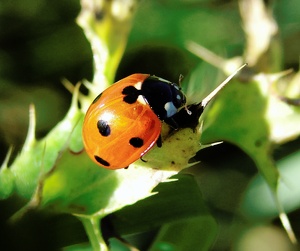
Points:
(92, 227)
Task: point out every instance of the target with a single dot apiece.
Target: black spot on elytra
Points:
(136, 142)
(131, 94)
(103, 128)
(101, 161)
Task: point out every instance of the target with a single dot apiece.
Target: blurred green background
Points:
(41, 44)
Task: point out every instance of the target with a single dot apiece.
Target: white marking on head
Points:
(170, 109)
(138, 85)
(142, 100)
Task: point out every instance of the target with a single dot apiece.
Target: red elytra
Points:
(133, 128)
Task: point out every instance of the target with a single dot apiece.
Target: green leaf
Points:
(6, 183)
(177, 203)
(258, 202)
(187, 234)
(6, 178)
(238, 116)
(38, 157)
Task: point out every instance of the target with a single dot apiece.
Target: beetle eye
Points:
(179, 98)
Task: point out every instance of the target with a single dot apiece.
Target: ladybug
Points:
(124, 121)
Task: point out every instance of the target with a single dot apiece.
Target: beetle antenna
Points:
(187, 110)
(181, 77)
